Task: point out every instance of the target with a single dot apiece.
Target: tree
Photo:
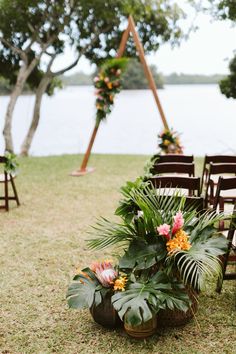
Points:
(134, 77)
(228, 85)
(28, 29)
(224, 10)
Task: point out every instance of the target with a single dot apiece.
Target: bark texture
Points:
(36, 115)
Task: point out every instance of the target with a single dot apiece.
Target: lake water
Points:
(206, 119)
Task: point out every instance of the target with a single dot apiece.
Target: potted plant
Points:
(143, 297)
(93, 287)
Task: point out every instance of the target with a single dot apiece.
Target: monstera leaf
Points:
(141, 255)
(200, 261)
(141, 300)
(84, 291)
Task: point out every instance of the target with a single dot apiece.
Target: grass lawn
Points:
(44, 241)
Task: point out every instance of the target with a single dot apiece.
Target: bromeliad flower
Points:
(105, 273)
(178, 222)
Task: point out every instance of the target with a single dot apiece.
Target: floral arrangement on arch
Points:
(169, 142)
(108, 84)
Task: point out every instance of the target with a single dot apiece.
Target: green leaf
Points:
(142, 255)
(81, 293)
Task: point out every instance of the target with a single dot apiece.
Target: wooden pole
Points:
(147, 70)
(123, 42)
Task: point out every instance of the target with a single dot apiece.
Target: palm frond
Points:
(110, 233)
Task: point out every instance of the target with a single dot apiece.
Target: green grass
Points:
(44, 241)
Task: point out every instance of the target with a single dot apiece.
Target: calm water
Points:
(206, 119)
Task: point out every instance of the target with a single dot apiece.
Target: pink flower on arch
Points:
(178, 222)
(164, 230)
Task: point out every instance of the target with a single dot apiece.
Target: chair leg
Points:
(219, 285)
(14, 190)
(6, 192)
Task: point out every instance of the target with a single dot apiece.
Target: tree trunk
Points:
(36, 115)
(7, 133)
(22, 76)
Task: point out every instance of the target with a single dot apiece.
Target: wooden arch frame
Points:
(130, 29)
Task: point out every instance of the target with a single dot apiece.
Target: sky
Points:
(207, 51)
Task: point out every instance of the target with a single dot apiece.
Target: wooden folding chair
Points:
(191, 184)
(214, 159)
(175, 158)
(173, 167)
(216, 169)
(7, 178)
(227, 184)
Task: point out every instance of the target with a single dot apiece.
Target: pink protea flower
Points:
(105, 273)
(164, 230)
(178, 222)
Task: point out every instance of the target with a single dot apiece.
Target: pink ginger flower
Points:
(105, 273)
(178, 222)
(164, 230)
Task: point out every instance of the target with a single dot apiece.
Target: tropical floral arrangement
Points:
(169, 142)
(165, 248)
(165, 234)
(108, 84)
(135, 297)
(11, 164)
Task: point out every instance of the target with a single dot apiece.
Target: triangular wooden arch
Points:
(130, 29)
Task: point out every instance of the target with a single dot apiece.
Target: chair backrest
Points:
(221, 168)
(192, 184)
(220, 159)
(175, 158)
(216, 169)
(224, 184)
(215, 159)
(173, 167)
(196, 203)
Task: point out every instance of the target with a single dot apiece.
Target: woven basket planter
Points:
(169, 318)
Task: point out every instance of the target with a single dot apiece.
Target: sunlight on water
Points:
(206, 119)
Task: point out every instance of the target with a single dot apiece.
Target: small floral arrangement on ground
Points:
(11, 164)
(91, 285)
(108, 84)
(169, 142)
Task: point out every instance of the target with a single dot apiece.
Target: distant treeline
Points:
(133, 78)
(184, 79)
